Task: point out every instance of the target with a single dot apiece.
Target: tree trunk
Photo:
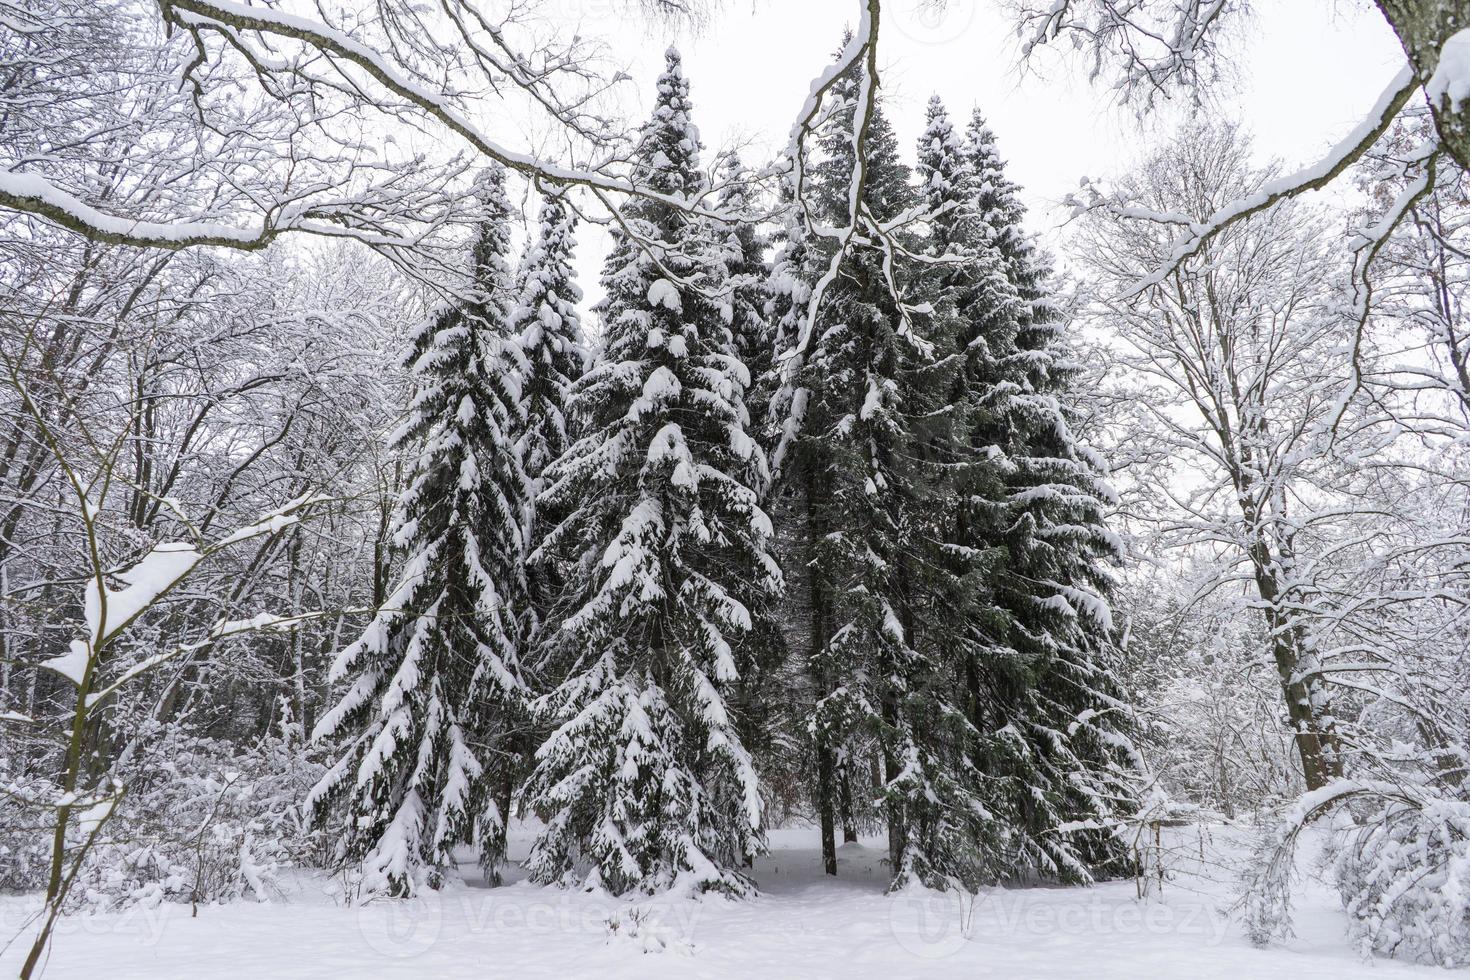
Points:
(825, 808)
(822, 686)
(826, 781)
(849, 825)
(897, 830)
(1423, 27)
(1301, 687)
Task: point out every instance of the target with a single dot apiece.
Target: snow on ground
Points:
(802, 925)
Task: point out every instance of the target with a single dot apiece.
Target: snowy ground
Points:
(802, 925)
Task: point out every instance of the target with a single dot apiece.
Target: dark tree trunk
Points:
(849, 824)
(822, 684)
(825, 808)
(1303, 690)
(1422, 27)
(897, 830)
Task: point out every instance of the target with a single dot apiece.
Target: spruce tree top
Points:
(668, 146)
(947, 182)
(942, 155)
(886, 191)
(995, 194)
(491, 266)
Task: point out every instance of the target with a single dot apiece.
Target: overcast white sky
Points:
(1309, 71)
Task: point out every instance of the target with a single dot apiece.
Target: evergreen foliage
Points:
(549, 331)
(1037, 658)
(645, 776)
(743, 247)
(864, 483)
(435, 678)
(943, 663)
(948, 543)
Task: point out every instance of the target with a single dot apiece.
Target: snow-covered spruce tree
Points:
(742, 246)
(645, 776)
(862, 485)
(996, 202)
(786, 288)
(786, 294)
(775, 696)
(555, 350)
(1037, 662)
(743, 250)
(956, 826)
(435, 678)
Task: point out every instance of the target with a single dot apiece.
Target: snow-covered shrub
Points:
(1223, 742)
(644, 928)
(1213, 730)
(1404, 876)
(25, 848)
(205, 820)
(1401, 862)
(1265, 896)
